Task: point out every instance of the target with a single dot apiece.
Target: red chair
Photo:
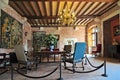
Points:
(96, 49)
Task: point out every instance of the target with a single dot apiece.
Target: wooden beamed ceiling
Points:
(44, 13)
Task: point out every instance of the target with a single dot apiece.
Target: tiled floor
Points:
(112, 70)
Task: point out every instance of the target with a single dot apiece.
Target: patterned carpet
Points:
(113, 72)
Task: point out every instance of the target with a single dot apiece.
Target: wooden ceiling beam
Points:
(55, 17)
(59, 25)
(71, 0)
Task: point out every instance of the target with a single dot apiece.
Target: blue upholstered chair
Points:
(78, 55)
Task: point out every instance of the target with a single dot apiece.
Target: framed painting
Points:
(11, 31)
(39, 40)
(116, 30)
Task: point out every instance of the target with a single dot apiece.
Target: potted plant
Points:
(51, 41)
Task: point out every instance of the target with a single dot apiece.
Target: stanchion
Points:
(105, 75)
(60, 72)
(11, 71)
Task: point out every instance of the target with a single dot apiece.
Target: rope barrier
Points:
(86, 71)
(3, 72)
(38, 76)
(90, 63)
(96, 67)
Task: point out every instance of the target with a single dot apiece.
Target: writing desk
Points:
(41, 54)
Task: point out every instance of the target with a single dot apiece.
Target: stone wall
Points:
(65, 33)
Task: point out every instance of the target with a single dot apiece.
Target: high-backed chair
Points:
(96, 49)
(67, 49)
(78, 55)
(22, 58)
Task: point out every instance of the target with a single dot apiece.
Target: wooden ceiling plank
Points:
(107, 9)
(57, 9)
(98, 7)
(35, 8)
(65, 5)
(72, 4)
(38, 8)
(77, 6)
(102, 8)
(14, 6)
(58, 5)
(87, 7)
(44, 8)
(26, 9)
(89, 21)
(81, 9)
(92, 7)
(79, 21)
(51, 11)
(55, 17)
(22, 10)
(51, 8)
(59, 25)
(72, 0)
(45, 11)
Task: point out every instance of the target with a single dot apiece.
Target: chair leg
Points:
(18, 66)
(74, 67)
(36, 65)
(83, 65)
(64, 64)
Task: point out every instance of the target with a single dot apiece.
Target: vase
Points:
(51, 47)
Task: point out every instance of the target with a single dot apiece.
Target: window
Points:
(94, 36)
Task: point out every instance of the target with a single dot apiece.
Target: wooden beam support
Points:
(55, 17)
(55, 25)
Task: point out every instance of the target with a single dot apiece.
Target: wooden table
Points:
(48, 53)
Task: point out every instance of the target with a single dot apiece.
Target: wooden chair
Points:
(23, 59)
(68, 49)
(78, 55)
(96, 49)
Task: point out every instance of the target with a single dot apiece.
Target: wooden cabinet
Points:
(114, 51)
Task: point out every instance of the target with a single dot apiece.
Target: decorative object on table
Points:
(51, 41)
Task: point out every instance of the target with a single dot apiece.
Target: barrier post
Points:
(60, 70)
(11, 71)
(105, 75)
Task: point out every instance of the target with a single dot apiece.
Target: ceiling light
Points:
(66, 17)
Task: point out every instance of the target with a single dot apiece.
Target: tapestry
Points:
(11, 31)
(0, 32)
(39, 40)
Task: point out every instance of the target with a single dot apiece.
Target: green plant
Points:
(51, 40)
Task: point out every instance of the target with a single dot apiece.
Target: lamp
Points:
(66, 17)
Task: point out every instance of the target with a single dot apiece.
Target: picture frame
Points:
(116, 30)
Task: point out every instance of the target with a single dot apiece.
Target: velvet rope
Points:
(87, 71)
(3, 72)
(38, 76)
(96, 67)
